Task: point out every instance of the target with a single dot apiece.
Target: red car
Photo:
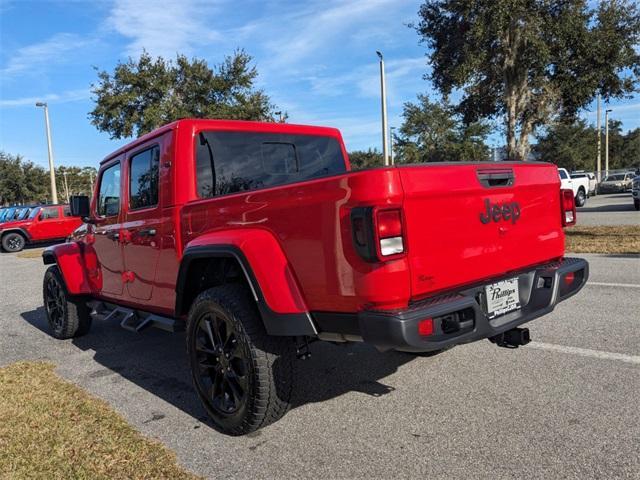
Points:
(257, 238)
(45, 223)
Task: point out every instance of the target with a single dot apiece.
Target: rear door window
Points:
(143, 179)
(230, 162)
(49, 213)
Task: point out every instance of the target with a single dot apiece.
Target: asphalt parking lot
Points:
(610, 209)
(564, 406)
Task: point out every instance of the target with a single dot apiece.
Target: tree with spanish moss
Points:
(530, 62)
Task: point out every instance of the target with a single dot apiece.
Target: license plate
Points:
(502, 297)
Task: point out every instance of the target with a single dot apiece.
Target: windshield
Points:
(34, 212)
(614, 178)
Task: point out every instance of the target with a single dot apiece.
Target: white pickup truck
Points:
(580, 186)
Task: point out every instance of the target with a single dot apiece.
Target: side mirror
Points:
(79, 206)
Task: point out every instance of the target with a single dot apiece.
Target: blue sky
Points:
(316, 59)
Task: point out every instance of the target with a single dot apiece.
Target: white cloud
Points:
(64, 97)
(290, 36)
(366, 78)
(163, 28)
(33, 58)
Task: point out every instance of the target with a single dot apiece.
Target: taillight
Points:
(378, 233)
(568, 206)
(389, 229)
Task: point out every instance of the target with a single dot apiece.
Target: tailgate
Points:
(467, 223)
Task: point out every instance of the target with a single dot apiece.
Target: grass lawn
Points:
(31, 253)
(50, 428)
(614, 239)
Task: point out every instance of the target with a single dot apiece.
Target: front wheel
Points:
(581, 198)
(13, 242)
(243, 376)
(68, 316)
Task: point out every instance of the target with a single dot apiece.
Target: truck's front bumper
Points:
(540, 290)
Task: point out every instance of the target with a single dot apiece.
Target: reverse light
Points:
(568, 206)
(425, 327)
(391, 246)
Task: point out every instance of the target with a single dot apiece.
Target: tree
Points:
(21, 181)
(571, 145)
(142, 95)
(431, 132)
(79, 181)
(361, 159)
(568, 145)
(531, 61)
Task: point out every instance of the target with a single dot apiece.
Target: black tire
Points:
(13, 242)
(581, 198)
(243, 376)
(68, 316)
(636, 203)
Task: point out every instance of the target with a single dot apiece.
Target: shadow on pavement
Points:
(156, 361)
(618, 207)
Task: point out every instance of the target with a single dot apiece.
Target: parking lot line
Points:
(604, 284)
(586, 352)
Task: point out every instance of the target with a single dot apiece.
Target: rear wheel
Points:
(636, 203)
(581, 198)
(243, 376)
(68, 316)
(13, 242)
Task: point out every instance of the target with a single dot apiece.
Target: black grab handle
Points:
(490, 178)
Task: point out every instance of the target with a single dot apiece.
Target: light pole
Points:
(599, 127)
(52, 172)
(66, 185)
(606, 142)
(391, 144)
(383, 95)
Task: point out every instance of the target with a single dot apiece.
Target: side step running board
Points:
(133, 320)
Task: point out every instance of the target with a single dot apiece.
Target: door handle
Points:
(147, 232)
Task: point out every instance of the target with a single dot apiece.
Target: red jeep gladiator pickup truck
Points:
(257, 238)
(44, 223)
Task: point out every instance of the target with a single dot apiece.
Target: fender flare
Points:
(269, 277)
(19, 230)
(70, 261)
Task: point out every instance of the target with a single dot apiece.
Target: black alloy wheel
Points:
(222, 364)
(13, 242)
(242, 375)
(68, 315)
(55, 302)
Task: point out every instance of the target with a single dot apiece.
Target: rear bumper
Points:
(541, 289)
(612, 189)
